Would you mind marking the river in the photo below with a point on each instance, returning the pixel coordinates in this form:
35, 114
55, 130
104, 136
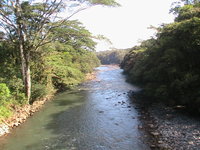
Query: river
97, 115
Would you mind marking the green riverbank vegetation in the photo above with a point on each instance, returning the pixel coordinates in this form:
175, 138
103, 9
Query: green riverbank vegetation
40, 52
168, 65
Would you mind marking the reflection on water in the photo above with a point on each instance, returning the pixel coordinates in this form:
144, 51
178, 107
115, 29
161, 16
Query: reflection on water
96, 116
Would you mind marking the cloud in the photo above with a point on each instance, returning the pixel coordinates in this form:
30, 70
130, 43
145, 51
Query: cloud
127, 24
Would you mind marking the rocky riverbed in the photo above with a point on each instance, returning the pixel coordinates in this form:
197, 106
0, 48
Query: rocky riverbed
169, 128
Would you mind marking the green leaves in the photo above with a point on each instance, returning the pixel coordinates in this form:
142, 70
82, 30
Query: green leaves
187, 12
168, 68
4, 93
64, 62
74, 34
104, 2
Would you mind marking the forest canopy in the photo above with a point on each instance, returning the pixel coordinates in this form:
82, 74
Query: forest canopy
41, 52
168, 66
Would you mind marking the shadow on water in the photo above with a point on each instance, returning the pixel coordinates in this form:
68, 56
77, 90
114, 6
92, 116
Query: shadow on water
60, 141
66, 125
97, 116
71, 101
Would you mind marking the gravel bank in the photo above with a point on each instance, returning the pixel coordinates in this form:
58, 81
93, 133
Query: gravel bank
169, 128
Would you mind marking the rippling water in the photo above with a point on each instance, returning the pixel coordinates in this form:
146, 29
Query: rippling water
98, 115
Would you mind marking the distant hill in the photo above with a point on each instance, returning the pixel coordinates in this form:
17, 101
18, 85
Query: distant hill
112, 56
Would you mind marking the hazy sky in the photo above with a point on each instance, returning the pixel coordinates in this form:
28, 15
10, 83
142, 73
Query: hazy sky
125, 26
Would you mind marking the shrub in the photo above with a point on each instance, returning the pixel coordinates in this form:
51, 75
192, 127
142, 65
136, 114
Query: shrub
38, 91
20, 98
4, 112
16, 85
4, 93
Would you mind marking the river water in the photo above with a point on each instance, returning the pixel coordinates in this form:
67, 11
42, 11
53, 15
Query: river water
97, 115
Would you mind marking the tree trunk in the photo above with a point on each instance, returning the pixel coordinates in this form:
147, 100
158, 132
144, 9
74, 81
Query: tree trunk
28, 83
24, 53
23, 61
28, 77
25, 68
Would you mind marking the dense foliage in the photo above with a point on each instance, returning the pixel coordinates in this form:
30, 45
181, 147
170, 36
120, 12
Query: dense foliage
168, 66
112, 56
57, 65
40, 51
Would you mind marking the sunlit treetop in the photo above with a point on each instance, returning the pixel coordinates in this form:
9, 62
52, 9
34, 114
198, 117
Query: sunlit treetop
104, 2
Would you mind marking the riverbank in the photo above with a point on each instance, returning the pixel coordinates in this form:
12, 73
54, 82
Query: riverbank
169, 128
22, 113
93, 75
100, 107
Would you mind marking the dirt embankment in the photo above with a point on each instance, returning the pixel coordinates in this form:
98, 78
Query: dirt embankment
90, 76
21, 114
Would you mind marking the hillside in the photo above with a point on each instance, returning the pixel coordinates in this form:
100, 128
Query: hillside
112, 56
168, 66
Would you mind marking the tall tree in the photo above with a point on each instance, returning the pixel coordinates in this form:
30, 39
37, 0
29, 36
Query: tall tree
28, 25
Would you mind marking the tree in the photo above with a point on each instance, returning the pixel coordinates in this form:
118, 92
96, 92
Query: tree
28, 25
168, 66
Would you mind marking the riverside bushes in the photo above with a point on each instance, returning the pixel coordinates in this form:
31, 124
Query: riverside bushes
5, 98
4, 93
168, 67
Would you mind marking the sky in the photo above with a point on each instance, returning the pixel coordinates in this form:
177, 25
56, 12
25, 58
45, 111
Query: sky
127, 25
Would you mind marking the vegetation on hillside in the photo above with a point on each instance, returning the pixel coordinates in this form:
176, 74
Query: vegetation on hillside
41, 52
57, 65
168, 66
112, 56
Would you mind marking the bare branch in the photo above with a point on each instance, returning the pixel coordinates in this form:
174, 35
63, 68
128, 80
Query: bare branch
80, 9
46, 15
6, 20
